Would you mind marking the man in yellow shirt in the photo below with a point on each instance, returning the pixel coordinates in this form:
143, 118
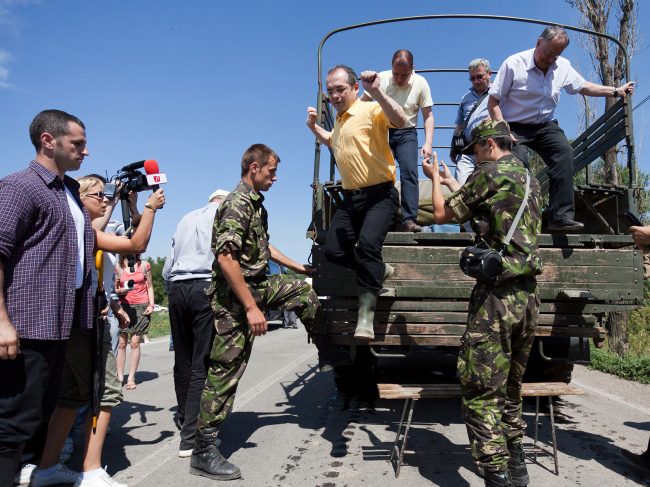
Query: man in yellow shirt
359, 142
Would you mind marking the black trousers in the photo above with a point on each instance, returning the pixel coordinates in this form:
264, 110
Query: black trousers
549, 141
192, 324
29, 390
357, 232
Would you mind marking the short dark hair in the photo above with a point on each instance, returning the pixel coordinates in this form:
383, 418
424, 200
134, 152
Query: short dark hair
503, 142
54, 122
352, 76
553, 31
257, 152
403, 56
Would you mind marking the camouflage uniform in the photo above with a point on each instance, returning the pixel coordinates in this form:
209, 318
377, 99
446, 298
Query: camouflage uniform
502, 315
241, 225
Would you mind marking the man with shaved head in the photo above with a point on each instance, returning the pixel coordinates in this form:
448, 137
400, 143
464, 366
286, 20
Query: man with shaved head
411, 91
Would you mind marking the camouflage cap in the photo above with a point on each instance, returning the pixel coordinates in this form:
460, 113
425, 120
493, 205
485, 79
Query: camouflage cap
487, 128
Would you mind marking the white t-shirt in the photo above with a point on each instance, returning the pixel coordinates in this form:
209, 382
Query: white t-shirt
412, 97
78, 218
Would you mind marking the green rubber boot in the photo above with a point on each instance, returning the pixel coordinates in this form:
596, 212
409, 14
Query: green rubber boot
366, 314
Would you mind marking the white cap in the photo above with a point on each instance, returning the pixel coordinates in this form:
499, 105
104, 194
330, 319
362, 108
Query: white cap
220, 192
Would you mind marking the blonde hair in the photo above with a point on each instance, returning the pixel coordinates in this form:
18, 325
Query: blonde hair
87, 182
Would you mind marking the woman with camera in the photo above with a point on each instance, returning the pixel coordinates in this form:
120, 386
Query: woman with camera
501, 200
76, 386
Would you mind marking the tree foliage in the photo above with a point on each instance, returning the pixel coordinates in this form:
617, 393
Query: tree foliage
610, 66
159, 293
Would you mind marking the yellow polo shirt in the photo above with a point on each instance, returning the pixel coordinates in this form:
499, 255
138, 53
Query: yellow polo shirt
360, 145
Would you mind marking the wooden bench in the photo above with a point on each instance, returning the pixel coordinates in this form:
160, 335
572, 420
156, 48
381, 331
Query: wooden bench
414, 392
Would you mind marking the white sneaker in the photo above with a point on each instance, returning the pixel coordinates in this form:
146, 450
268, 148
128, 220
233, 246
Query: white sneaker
25, 474
63, 475
185, 453
101, 480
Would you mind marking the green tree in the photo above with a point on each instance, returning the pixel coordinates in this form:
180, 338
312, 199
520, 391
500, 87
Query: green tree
156, 276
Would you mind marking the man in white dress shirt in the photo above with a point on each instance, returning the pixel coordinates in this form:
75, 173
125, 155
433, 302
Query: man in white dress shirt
525, 93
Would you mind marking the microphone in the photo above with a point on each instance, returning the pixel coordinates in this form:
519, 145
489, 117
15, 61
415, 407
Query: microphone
133, 166
154, 177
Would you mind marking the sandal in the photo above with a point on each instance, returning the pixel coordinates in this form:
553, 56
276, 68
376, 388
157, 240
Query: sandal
131, 385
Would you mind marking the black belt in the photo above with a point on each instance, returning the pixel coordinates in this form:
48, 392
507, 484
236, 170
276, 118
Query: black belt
368, 189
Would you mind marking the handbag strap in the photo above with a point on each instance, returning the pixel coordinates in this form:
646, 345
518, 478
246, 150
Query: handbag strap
519, 212
478, 102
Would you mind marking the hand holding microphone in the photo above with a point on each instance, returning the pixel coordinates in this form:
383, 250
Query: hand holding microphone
154, 179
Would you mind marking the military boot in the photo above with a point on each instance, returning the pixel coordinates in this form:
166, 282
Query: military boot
497, 479
517, 465
366, 314
206, 459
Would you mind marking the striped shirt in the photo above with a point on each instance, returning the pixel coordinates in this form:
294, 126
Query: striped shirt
38, 246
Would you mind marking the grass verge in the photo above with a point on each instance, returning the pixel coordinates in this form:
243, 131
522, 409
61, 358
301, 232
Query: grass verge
635, 368
159, 325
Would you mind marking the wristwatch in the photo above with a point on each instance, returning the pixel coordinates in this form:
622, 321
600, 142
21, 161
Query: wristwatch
150, 206
615, 93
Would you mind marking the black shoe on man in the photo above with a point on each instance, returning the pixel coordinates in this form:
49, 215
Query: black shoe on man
207, 460
409, 226
517, 465
498, 479
564, 225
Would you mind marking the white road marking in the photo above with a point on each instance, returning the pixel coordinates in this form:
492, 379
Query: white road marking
612, 397
141, 470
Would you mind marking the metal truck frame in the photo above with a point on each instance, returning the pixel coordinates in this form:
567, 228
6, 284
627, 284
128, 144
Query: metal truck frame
424, 304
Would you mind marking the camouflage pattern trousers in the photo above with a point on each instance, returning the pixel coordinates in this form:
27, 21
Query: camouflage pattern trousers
233, 341
491, 363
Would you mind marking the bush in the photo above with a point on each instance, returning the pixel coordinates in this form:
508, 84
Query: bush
635, 368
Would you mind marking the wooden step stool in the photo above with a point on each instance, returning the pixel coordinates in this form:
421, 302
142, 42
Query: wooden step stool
414, 392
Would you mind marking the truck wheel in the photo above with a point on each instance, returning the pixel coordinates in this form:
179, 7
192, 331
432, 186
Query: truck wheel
359, 379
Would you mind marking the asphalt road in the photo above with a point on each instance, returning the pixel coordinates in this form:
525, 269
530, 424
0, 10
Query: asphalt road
289, 428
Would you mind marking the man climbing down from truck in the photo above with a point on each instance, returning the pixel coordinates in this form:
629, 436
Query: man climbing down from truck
503, 311
360, 145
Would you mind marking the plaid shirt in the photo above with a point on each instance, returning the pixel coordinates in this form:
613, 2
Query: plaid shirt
38, 246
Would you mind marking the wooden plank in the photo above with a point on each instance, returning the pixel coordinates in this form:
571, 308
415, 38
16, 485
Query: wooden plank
433, 317
433, 391
403, 340
608, 292
445, 330
566, 307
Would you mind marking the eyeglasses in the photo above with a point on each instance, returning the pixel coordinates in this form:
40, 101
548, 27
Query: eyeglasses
339, 90
477, 77
100, 195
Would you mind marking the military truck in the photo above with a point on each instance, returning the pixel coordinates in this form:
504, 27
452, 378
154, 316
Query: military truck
423, 306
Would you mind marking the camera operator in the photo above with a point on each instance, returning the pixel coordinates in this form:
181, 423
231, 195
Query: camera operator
76, 386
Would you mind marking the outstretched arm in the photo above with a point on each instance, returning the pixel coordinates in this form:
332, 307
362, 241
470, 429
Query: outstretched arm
441, 212
140, 239
284, 261
427, 115
592, 89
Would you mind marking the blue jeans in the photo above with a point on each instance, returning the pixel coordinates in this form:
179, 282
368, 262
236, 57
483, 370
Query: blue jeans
404, 144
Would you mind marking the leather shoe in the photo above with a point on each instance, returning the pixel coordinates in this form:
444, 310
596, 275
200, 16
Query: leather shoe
565, 224
409, 226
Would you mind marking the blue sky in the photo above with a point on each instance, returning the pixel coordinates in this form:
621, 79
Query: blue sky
192, 84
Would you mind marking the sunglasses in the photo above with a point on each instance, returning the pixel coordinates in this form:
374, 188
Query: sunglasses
100, 195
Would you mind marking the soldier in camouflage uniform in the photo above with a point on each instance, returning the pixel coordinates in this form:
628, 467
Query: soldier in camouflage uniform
240, 291
503, 313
